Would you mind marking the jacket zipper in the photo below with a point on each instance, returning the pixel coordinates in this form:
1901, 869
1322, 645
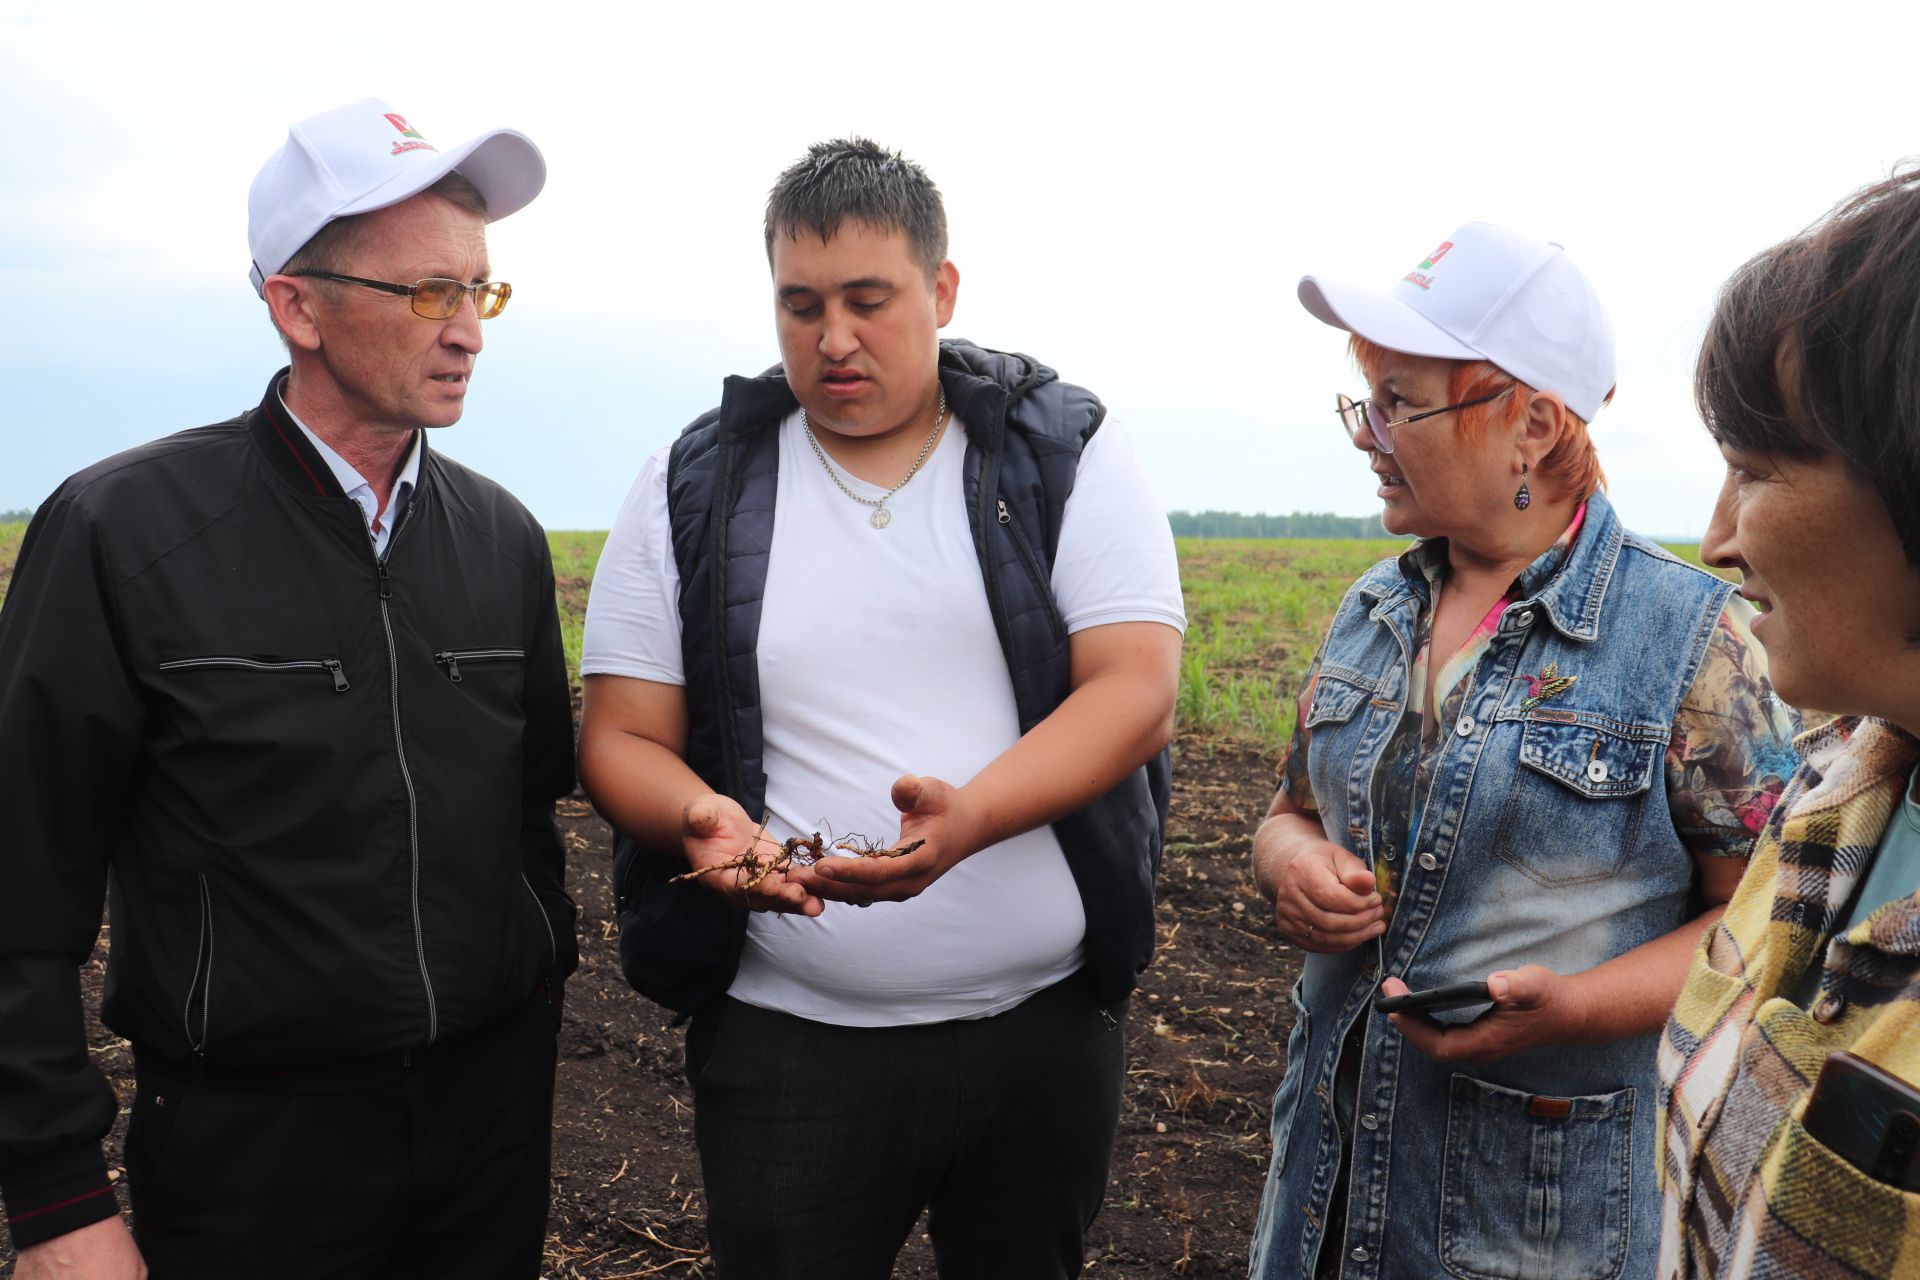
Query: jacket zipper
989, 568
733, 773
1042, 588
553, 945
330, 665
452, 658
202, 964
400, 750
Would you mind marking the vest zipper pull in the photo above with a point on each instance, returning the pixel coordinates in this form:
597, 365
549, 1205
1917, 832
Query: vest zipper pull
340, 684
386, 583
451, 661
1005, 516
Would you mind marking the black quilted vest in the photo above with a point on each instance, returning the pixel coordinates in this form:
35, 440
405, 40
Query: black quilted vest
680, 945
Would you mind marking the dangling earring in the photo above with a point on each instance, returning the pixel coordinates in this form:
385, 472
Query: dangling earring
1521, 498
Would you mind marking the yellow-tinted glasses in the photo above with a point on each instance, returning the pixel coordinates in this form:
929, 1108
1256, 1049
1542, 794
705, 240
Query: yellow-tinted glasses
434, 298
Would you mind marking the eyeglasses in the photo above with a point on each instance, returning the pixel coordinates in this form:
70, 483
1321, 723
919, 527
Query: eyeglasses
434, 298
1359, 416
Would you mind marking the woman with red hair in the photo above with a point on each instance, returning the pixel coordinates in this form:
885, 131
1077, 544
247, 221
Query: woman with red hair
1529, 760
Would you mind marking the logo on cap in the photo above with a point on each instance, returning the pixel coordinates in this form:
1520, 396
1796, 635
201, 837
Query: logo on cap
1418, 276
417, 142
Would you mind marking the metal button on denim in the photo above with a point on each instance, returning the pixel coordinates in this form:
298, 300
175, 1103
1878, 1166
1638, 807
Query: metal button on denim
1465, 727
1428, 861
1596, 771
1360, 1253
1524, 618
1369, 1122
1388, 854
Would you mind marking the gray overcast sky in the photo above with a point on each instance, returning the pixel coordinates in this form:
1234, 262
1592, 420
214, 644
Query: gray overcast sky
1133, 192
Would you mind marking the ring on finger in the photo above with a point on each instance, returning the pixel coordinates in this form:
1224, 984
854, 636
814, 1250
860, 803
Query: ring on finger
1309, 933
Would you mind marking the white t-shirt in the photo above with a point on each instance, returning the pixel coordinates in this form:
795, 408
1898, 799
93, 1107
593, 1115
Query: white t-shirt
878, 657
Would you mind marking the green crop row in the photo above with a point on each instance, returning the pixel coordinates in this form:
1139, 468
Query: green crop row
1256, 608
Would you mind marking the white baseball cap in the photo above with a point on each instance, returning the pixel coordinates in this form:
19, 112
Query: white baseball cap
1488, 294
365, 156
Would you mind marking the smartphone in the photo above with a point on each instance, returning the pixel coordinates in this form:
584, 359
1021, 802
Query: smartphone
1868, 1117
1455, 995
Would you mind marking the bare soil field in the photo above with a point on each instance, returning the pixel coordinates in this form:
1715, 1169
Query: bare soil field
1205, 1035
1206, 1030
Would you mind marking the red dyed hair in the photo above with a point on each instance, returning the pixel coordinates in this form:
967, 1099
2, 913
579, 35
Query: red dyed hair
1570, 467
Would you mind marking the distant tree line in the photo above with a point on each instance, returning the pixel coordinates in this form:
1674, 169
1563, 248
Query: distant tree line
16, 517
1301, 524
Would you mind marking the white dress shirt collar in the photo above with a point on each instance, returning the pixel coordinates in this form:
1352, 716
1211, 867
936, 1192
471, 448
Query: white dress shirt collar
359, 490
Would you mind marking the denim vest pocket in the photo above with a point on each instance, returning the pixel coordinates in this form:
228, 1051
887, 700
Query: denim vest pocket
1535, 1186
1337, 696
1575, 805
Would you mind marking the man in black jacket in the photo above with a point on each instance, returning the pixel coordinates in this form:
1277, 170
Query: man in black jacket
913, 595
290, 689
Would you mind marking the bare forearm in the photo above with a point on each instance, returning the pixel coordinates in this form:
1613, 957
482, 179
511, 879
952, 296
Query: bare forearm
1105, 729
1632, 994
640, 787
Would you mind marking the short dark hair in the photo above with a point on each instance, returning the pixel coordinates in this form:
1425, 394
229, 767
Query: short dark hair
1814, 348
854, 179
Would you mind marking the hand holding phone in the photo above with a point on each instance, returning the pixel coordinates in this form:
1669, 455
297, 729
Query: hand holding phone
1868, 1117
1455, 995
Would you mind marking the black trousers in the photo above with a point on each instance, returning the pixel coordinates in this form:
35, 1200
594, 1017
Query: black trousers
820, 1145
429, 1164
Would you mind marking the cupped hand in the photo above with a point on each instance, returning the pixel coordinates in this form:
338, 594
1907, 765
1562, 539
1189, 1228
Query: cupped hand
934, 812
1532, 1006
1326, 900
714, 829
100, 1251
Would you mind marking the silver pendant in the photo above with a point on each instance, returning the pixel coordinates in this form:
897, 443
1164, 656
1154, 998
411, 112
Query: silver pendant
880, 518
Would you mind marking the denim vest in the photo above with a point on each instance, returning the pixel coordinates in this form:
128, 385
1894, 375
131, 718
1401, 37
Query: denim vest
1546, 839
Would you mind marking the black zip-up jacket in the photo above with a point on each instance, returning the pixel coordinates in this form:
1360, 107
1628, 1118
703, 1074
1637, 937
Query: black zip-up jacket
318, 783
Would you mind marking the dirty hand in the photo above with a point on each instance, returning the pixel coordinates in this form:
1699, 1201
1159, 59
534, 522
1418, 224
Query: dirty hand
1532, 1006
713, 831
932, 811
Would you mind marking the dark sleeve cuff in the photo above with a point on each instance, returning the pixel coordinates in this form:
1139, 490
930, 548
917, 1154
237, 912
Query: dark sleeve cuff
56, 1194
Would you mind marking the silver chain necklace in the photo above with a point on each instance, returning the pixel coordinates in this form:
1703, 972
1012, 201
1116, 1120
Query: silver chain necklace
881, 517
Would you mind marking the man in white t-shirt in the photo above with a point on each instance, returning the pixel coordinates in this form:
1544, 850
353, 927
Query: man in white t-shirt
895, 590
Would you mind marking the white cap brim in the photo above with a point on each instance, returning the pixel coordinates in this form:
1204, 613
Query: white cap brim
504, 165
1381, 319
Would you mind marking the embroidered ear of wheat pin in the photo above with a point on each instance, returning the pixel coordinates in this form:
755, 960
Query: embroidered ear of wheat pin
1548, 684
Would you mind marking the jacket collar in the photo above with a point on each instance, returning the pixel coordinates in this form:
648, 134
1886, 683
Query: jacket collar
1569, 586
1850, 785
292, 457
980, 386
1846, 757
751, 405
1574, 597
